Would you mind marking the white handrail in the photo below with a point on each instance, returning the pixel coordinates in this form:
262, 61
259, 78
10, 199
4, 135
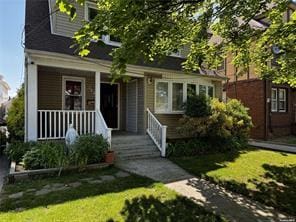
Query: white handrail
157, 132
102, 128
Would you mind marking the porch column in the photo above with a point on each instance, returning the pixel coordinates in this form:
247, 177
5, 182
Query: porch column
97, 99
97, 91
32, 103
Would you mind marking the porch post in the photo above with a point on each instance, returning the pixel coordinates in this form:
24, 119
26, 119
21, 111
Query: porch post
97, 98
97, 91
32, 103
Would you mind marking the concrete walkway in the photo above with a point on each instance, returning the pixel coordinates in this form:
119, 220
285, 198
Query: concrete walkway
273, 146
214, 198
4, 167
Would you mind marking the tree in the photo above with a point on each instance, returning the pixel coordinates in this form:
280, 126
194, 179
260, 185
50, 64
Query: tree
152, 29
15, 116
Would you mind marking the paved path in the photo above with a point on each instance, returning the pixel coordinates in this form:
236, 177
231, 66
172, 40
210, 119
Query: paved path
273, 146
233, 206
4, 164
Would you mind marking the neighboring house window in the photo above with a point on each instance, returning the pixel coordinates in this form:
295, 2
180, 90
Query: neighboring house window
278, 100
73, 93
221, 67
170, 95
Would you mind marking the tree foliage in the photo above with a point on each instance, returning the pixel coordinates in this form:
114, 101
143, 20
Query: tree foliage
153, 29
15, 117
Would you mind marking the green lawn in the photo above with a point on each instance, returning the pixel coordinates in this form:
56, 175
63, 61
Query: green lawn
267, 176
130, 198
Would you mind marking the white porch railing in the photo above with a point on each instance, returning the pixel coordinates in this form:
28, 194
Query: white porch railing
102, 128
53, 124
157, 132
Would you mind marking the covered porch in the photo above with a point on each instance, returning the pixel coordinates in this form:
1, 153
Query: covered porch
60, 94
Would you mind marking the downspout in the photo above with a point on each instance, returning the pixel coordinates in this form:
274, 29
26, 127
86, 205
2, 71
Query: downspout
26, 97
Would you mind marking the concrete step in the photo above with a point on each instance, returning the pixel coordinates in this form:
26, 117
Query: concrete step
129, 139
136, 152
135, 157
134, 147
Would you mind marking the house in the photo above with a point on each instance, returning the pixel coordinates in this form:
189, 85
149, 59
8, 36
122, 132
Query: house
272, 106
63, 88
4, 89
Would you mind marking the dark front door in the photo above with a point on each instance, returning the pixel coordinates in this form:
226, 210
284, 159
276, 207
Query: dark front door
109, 104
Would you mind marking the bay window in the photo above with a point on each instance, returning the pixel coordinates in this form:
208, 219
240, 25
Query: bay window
170, 95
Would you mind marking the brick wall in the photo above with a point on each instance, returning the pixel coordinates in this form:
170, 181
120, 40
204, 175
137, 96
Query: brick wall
251, 94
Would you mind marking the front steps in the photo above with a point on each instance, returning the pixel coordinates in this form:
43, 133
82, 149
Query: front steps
131, 147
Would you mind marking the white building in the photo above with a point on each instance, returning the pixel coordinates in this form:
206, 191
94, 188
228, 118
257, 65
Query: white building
4, 88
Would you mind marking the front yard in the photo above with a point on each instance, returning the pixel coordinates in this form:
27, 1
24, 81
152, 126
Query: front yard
267, 176
101, 195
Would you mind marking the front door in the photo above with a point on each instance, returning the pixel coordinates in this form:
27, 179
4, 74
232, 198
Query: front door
109, 104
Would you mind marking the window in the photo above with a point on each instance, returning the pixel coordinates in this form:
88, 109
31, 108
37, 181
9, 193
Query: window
170, 95
162, 96
278, 100
177, 96
90, 11
282, 100
221, 67
73, 94
113, 38
211, 91
202, 90
191, 90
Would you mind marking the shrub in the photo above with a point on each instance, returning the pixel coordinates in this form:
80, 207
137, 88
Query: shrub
197, 106
191, 147
46, 155
89, 149
15, 117
227, 126
16, 150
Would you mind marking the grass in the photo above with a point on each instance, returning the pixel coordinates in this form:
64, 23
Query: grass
266, 176
129, 199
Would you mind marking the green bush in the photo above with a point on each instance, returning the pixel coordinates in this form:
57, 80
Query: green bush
15, 117
89, 149
191, 147
16, 150
227, 126
197, 106
46, 155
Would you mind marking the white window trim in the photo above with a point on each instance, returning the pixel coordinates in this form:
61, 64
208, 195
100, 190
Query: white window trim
76, 79
105, 38
283, 100
170, 94
274, 100
86, 7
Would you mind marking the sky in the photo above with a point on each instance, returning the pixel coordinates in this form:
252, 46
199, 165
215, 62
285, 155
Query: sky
12, 19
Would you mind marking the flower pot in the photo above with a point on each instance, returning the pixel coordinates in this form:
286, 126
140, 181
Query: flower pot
110, 156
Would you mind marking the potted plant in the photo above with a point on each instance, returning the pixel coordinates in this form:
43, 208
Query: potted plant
110, 156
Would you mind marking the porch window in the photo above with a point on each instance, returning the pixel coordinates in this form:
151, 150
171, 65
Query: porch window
278, 100
73, 94
177, 96
162, 96
211, 91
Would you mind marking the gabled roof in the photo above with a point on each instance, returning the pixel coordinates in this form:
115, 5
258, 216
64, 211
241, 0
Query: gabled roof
38, 36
